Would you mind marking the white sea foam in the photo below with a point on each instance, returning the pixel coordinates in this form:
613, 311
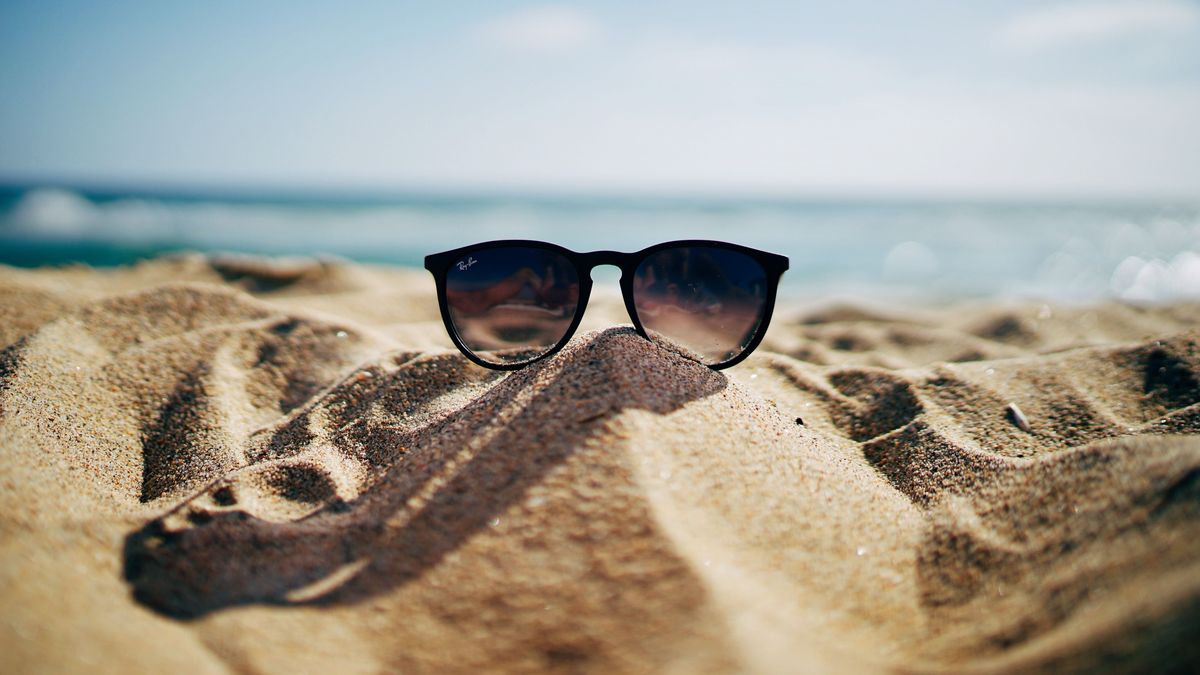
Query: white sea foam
1142, 280
910, 261
53, 212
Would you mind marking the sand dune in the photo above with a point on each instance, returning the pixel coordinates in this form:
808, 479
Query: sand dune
233, 465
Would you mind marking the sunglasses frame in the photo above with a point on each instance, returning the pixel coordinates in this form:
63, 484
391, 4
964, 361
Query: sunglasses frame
439, 265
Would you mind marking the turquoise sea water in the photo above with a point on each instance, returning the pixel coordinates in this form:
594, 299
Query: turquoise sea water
919, 249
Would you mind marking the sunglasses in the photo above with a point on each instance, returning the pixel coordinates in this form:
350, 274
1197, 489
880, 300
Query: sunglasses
507, 304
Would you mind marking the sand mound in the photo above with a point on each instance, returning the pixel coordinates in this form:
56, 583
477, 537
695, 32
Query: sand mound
248, 465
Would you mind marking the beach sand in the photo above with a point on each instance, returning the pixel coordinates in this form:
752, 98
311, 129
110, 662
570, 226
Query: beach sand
229, 465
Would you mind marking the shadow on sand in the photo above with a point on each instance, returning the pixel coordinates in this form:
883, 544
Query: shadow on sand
430, 482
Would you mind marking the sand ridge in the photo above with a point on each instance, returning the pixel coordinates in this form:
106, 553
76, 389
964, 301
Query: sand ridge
233, 464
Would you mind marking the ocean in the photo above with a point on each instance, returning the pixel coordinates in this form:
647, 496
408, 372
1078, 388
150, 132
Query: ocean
1062, 251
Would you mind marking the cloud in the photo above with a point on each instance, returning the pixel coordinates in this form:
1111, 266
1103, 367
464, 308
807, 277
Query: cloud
1076, 23
732, 60
541, 29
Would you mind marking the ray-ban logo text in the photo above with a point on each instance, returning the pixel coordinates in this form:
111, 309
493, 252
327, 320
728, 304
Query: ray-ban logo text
464, 265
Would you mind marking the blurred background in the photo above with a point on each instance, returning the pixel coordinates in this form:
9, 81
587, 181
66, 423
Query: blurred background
922, 149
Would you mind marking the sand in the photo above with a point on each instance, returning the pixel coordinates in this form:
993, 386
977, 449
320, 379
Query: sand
230, 465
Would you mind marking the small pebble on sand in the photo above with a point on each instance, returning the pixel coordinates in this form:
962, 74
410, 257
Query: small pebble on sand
1017, 417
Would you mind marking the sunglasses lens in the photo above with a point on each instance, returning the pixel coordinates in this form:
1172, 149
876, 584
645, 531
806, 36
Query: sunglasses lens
511, 305
709, 301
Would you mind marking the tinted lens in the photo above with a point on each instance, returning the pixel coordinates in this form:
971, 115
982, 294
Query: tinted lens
513, 304
709, 301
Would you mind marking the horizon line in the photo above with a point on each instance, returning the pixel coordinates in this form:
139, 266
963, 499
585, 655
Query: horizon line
267, 191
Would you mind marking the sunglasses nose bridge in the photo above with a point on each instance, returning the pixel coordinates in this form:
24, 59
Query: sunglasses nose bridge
599, 258
605, 259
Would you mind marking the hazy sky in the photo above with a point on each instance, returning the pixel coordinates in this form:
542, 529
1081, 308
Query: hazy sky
990, 98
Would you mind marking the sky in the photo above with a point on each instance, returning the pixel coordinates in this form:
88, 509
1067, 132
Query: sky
988, 98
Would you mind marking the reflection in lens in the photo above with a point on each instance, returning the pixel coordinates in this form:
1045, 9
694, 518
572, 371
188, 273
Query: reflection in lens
512, 304
708, 301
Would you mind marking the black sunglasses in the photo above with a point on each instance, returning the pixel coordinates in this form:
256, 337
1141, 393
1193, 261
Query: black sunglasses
509, 303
